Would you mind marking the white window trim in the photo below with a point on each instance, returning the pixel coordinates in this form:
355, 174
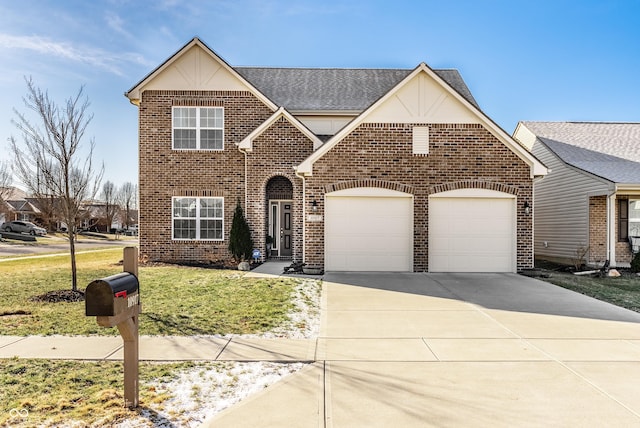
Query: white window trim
632, 230
197, 218
197, 128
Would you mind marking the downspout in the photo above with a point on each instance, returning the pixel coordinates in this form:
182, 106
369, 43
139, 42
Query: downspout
246, 185
304, 213
611, 227
533, 218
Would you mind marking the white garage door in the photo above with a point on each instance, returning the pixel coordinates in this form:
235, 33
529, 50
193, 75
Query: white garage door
472, 230
369, 229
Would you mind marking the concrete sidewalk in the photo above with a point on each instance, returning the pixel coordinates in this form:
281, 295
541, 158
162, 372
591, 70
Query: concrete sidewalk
159, 348
416, 350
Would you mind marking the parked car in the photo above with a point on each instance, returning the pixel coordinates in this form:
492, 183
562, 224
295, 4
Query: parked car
23, 227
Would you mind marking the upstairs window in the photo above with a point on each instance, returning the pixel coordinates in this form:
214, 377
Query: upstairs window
198, 218
198, 128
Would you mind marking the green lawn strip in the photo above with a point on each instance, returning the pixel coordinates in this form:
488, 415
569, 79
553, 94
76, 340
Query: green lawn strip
53, 392
175, 300
623, 291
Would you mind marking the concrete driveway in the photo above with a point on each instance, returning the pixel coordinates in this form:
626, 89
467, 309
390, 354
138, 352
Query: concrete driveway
472, 350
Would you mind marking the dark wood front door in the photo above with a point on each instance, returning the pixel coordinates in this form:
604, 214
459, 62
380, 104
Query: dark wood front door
281, 227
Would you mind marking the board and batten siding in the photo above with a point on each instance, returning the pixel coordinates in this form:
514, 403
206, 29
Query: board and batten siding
561, 207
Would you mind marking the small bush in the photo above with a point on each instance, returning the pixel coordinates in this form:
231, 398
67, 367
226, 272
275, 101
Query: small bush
240, 242
635, 263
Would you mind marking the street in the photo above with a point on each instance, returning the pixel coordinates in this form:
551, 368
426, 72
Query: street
52, 244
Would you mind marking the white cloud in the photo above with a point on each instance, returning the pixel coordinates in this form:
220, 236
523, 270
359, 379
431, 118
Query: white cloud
117, 24
95, 57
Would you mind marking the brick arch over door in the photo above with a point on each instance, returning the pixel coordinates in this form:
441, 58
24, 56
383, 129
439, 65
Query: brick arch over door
279, 187
474, 184
390, 185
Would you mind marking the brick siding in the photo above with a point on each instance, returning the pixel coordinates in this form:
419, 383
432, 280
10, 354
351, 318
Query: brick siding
460, 156
165, 173
375, 155
597, 229
598, 233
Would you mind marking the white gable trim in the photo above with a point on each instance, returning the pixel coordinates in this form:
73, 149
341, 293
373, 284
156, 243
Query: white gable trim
537, 168
246, 145
135, 93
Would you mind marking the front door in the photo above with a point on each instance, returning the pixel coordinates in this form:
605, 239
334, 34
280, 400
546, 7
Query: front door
280, 227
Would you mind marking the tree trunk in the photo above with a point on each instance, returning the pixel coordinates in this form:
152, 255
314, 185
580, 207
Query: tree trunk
72, 252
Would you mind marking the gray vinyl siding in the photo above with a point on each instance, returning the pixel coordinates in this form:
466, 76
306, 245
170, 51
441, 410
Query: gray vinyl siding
561, 206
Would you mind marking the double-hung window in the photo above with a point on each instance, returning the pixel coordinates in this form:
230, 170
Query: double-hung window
628, 218
198, 218
198, 128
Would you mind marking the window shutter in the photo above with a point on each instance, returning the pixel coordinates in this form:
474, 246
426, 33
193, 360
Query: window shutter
420, 140
623, 220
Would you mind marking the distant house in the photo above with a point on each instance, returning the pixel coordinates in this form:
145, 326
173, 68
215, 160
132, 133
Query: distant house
17, 206
343, 169
591, 197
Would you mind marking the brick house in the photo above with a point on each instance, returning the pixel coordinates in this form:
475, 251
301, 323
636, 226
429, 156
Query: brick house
346, 169
590, 201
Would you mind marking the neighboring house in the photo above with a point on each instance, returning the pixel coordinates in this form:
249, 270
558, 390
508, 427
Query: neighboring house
17, 206
591, 197
347, 169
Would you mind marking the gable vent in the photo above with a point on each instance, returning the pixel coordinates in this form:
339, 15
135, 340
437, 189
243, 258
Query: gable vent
420, 140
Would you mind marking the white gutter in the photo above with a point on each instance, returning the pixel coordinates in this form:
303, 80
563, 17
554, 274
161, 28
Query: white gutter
611, 228
304, 213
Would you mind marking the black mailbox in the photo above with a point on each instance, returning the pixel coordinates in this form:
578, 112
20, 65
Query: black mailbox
112, 295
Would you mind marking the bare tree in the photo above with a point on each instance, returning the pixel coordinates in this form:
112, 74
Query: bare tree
6, 180
109, 196
128, 197
50, 161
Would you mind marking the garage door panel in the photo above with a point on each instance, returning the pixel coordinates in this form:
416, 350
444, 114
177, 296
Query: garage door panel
365, 233
471, 234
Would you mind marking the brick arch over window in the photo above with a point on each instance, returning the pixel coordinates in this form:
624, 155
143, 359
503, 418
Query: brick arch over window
344, 185
475, 184
279, 187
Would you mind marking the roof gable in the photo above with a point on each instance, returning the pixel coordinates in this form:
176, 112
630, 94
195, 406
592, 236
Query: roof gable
247, 143
402, 103
195, 67
422, 99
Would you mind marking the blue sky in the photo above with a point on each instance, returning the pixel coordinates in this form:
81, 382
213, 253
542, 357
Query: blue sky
523, 60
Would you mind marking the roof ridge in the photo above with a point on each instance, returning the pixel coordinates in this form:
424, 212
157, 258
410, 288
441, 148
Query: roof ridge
583, 122
337, 68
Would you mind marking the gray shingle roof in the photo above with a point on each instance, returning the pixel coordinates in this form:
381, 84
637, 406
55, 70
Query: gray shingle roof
334, 88
608, 150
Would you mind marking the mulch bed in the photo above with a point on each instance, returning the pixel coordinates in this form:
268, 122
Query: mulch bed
57, 296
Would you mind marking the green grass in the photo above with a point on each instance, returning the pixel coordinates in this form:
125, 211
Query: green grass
623, 291
175, 300
85, 393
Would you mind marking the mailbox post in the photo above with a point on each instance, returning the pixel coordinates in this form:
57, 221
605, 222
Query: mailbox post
115, 301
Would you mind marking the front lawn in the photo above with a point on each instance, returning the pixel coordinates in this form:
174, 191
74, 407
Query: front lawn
44, 393
623, 291
175, 300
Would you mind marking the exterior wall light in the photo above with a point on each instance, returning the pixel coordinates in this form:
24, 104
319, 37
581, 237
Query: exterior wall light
527, 208
314, 206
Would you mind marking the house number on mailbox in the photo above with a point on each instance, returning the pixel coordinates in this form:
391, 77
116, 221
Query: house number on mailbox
133, 300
